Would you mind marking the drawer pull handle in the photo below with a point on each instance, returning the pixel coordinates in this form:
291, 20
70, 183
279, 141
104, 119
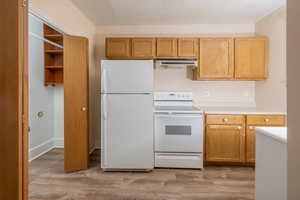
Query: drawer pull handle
225, 120
267, 120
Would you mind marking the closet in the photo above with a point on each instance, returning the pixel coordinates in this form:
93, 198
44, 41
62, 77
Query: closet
58, 93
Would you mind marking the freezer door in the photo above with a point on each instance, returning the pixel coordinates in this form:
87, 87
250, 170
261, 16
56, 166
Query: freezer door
127, 132
127, 76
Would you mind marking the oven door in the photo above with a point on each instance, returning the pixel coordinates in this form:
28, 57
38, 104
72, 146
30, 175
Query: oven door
178, 132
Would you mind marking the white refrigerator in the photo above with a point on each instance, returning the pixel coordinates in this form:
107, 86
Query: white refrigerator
127, 115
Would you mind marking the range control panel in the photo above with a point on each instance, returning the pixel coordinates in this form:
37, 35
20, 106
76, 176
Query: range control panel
173, 96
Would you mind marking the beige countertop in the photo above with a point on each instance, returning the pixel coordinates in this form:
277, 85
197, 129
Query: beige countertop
238, 111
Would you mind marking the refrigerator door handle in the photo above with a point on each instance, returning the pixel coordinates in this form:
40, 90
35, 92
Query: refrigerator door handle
103, 80
104, 135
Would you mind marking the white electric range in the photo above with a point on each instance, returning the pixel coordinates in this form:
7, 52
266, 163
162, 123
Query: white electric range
178, 131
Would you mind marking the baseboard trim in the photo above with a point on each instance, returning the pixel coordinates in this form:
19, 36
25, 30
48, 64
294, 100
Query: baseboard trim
41, 149
59, 142
47, 146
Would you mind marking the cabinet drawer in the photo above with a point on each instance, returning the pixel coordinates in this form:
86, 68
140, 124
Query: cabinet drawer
225, 119
266, 120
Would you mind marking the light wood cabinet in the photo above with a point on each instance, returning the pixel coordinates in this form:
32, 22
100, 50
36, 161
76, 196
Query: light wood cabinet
188, 47
244, 58
225, 119
266, 120
118, 48
216, 59
231, 138
225, 138
143, 48
250, 144
251, 58
225, 143
258, 120
166, 47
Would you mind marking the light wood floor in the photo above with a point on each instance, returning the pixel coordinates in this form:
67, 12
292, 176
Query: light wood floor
49, 182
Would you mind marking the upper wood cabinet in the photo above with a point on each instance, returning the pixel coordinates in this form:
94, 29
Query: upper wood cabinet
242, 58
143, 48
166, 47
251, 58
118, 48
225, 143
188, 47
216, 59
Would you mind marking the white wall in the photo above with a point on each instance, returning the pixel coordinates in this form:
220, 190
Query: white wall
59, 116
206, 93
41, 98
271, 94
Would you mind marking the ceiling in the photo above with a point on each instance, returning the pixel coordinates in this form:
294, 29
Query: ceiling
161, 12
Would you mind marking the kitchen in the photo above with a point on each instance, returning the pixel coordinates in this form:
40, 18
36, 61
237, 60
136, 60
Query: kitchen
175, 102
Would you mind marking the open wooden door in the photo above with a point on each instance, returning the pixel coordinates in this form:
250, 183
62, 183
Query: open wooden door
76, 103
13, 100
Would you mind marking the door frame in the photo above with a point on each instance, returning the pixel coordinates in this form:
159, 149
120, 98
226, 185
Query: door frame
14, 106
16, 91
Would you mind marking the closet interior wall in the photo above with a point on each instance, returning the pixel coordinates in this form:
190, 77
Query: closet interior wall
46, 103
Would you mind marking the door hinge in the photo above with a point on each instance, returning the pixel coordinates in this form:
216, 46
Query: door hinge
25, 123
24, 4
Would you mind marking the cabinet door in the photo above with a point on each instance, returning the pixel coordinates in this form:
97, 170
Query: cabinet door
250, 144
76, 90
251, 58
117, 48
188, 47
143, 48
166, 47
216, 58
225, 143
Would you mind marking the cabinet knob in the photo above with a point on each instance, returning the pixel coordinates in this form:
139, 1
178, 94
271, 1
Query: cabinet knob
239, 127
267, 120
251, 127
225, 120
83, 109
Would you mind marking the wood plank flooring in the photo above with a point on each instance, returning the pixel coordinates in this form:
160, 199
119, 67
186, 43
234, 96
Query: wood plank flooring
49, 182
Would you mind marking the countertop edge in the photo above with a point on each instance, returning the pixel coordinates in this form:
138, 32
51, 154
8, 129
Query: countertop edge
261, 130
243, 113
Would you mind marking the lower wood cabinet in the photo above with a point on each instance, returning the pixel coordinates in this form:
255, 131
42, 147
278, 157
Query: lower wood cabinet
225, 143
254, 121
231, 139
250, 144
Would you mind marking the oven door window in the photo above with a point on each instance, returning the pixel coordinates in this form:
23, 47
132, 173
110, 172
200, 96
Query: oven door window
178, 130
178, 133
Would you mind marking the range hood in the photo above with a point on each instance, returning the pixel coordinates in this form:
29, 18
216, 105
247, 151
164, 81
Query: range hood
177, 62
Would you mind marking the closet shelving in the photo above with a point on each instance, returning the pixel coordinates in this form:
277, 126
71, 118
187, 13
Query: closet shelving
54, 54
